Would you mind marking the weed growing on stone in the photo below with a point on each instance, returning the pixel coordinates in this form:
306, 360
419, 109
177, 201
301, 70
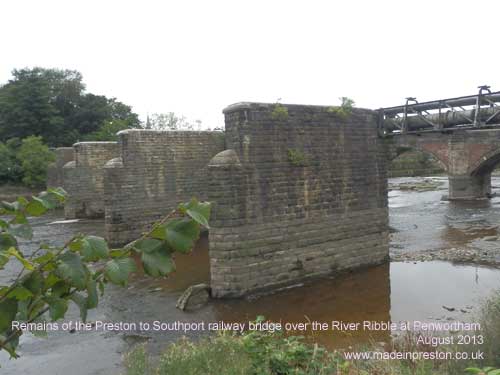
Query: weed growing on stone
279, 113
345, 109
297, 157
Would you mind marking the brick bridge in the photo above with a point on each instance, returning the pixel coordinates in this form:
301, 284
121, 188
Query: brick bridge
298, 191
468, 157
466, 142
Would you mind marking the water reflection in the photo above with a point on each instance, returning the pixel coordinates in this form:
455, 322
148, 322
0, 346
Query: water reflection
395, 292
354, 297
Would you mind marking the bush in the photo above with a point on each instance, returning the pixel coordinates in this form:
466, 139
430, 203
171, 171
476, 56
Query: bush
253, 353
34, 158
489, 318
10, 168
108, 131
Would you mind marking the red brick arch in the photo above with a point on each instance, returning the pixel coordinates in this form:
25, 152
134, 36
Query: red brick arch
439, 151
484, 162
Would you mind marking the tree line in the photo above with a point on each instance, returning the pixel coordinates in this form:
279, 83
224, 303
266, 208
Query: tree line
45, 108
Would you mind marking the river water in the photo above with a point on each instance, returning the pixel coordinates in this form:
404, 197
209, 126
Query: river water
399, 291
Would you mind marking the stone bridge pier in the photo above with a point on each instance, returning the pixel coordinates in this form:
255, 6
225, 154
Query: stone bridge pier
468, 156
83, 179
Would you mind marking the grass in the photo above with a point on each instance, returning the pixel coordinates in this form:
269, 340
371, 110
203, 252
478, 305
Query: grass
263, 353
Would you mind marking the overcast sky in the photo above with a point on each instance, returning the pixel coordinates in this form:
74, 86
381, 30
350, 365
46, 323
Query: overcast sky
196, 57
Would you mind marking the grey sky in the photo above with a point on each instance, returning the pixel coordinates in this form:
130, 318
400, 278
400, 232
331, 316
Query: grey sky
196, 57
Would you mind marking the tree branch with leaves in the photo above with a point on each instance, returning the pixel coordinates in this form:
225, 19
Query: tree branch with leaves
78, 271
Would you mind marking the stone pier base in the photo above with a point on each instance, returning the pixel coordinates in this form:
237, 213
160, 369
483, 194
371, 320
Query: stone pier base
469, 187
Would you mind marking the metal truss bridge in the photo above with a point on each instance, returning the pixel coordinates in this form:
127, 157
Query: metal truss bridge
481, 111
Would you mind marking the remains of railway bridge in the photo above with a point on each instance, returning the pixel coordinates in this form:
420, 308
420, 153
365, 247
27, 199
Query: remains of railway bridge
298, 191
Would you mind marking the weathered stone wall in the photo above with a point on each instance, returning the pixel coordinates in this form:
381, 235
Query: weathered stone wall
155, 171
296, 195
83, 179
55, 170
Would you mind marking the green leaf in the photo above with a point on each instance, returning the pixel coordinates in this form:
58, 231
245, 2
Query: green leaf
22, 231
199, 211
3, 224
7, 241
94, 248
60, 288
58, 193
157, 263
20, 293
148, 245
11, 346
22, 310
159, 233
48, 256
26, 263
36, 207
4, 258
22, 201
494, 372
49, 201
93, 299
117, 253
71, 269
473, 370
36, 307
19, 219
8, 207
81, 302
118, 270
76, 244
57, 307
34, 283
8, 311
182, 234
51, 280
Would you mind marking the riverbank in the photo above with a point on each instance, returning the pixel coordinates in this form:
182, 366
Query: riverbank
477, 256
257, 352
425, 227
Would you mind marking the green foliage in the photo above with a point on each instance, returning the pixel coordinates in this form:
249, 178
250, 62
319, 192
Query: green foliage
34, 157
279, 112
52, 103
343, 111
483, 371
53, 276
273, 353
170, 121
10, 168
253, 353
297, 157
108, 131
489, 317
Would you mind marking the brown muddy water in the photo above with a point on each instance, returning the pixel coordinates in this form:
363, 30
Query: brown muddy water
392, 292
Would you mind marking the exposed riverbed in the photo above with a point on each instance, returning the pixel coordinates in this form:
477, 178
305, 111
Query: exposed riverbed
424, 228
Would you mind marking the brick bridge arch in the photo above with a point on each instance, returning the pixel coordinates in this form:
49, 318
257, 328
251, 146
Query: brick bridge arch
485, 163
437, 149
468, 157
